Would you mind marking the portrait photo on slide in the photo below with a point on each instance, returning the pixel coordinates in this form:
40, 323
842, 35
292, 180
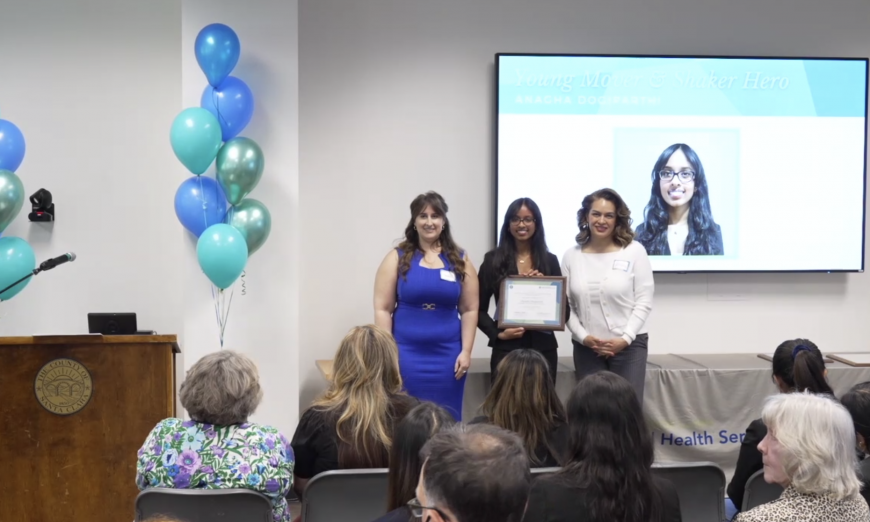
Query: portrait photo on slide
682, 187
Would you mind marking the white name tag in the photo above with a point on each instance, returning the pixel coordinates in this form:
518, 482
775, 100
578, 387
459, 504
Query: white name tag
621, 265
447, 275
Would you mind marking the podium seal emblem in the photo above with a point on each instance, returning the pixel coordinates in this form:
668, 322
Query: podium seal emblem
63, 386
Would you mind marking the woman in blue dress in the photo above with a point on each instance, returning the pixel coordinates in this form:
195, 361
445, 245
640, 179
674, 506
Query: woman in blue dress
426, 294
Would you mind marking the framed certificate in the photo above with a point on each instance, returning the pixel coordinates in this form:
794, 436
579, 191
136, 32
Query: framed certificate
533, 303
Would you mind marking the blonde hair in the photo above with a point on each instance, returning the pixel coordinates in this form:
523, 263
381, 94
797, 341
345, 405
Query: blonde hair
365, 380
819, 441
222, 388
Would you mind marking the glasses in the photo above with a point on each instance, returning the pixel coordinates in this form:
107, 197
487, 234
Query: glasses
417, 509
525, 221
684, 175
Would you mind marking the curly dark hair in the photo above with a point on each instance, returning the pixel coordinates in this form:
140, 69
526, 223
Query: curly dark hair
622, 235
704, 233
411, 244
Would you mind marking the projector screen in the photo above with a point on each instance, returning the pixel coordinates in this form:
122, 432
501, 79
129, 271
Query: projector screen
766, 157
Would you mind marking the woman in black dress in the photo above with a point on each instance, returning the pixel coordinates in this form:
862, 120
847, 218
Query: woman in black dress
522, 250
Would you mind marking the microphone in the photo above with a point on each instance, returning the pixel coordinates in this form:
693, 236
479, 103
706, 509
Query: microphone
59, 260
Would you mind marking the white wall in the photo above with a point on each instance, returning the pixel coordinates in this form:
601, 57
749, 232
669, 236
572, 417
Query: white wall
396, 98
94, 85
264, 324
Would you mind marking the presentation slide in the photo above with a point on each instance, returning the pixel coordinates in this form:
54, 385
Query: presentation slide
727, 164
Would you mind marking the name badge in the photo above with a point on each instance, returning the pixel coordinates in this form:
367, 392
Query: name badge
621, 265
447, 275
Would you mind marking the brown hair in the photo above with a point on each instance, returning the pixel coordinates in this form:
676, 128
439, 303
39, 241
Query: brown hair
411, 244
362, 396
523, 400
622, 235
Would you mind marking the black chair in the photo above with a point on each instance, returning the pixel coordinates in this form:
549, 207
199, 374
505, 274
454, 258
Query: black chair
347, 495
700, 486
204, 505
758, 492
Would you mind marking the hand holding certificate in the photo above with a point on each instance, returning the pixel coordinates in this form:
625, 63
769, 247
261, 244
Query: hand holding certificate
533, 303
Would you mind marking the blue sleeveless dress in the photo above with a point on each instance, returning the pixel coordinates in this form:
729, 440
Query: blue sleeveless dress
428, 330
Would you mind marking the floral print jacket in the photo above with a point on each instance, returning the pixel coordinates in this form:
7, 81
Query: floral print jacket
188, 454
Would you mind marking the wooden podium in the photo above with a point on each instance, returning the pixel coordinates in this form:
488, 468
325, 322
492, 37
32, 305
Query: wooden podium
74, 410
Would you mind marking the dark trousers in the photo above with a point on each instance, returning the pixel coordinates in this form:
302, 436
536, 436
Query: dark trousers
552, 357
629, 363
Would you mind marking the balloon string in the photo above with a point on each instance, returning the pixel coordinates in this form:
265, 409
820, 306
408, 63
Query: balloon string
204, 204
244, 286
227, 315
214, 299
217, 107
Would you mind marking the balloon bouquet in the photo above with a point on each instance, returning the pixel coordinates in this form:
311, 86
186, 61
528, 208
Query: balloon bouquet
199, 135
16, 256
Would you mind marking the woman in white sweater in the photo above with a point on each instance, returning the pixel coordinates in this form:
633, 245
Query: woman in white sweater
610, 291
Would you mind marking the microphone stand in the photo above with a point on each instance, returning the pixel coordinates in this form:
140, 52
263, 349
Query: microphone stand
25, 278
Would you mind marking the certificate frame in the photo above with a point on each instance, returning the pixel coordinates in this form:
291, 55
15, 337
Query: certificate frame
508, 319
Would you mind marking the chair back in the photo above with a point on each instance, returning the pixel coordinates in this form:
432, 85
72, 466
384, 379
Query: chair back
700, 486
348, 495
204, 505
758, 492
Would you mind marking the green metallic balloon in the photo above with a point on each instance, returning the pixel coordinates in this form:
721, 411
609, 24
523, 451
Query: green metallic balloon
253, 220
239, 168
11, 197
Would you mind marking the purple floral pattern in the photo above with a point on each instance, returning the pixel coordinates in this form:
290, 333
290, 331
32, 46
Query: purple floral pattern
187, 454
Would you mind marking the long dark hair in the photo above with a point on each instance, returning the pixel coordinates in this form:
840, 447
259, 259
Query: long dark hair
506, 252
611, 451
801, 370
622, 233
857, 401
703, 231
523, 400
411, 244
411, 434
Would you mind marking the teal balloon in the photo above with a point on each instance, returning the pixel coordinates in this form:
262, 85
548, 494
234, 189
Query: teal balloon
239, 168
16, 261
222, 254
196, 138
11, 198
253, 220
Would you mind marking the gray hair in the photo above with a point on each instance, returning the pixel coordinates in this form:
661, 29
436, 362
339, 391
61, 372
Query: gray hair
479, 472
222, 388
819, 441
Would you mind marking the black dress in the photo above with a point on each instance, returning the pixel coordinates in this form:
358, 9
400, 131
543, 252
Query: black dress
541, 341
748, 462
550, 500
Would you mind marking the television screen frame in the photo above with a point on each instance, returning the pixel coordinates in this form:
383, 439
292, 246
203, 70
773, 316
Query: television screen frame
497, 218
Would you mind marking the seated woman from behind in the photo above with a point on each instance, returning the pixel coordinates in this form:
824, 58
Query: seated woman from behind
523, 399
411, 435
857, 402
218, 448
608, 475
809, 450
351, 425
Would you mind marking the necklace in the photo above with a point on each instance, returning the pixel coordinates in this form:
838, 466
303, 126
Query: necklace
522, 260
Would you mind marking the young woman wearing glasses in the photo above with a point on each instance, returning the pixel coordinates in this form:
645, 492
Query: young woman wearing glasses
677, 219
522, 250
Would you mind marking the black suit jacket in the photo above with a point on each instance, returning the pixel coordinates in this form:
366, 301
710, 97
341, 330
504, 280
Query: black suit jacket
489, 287
748, 462
552, 501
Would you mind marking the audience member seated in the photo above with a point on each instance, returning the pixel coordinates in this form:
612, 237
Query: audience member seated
477, 473
608, 474
412, 433
523, 399
351, 426
857, 402
798, 365
218, 448
809, 450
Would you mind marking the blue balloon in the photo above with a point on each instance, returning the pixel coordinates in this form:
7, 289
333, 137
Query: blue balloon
222, 253
16, 261
11, 146
232, 103
200, 203
217, 52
